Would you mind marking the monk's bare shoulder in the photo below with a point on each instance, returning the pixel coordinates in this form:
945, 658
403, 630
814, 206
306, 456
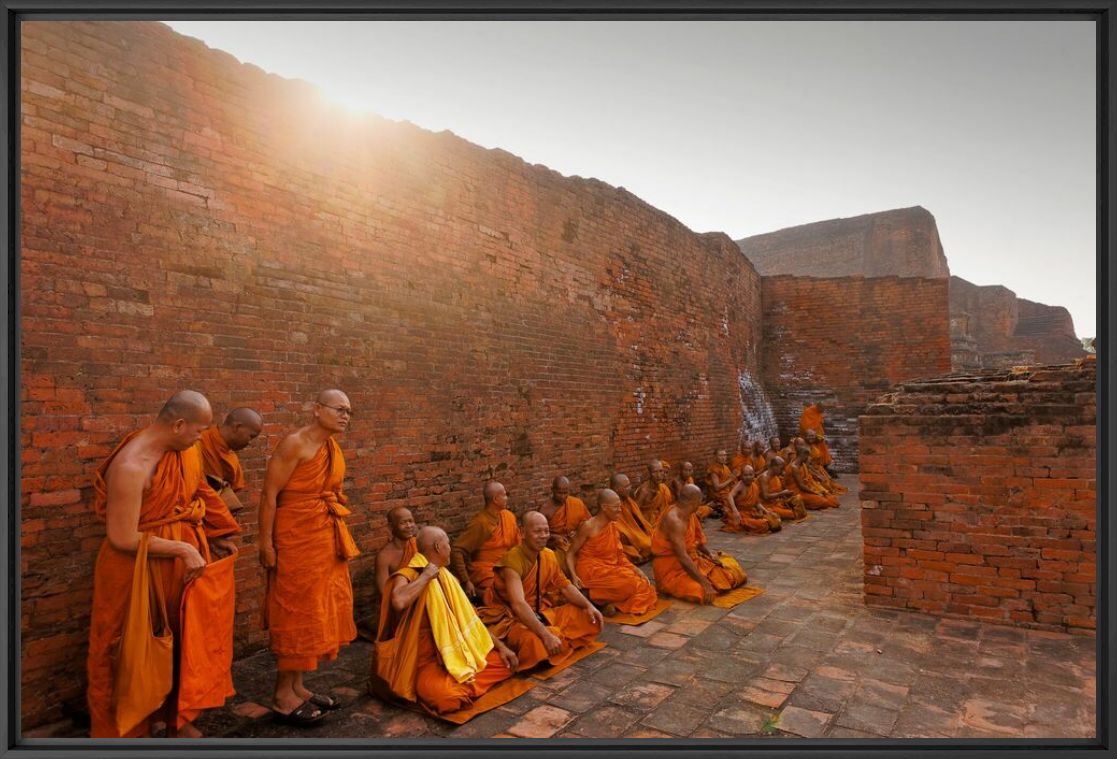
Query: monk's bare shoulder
296, 447
388, 555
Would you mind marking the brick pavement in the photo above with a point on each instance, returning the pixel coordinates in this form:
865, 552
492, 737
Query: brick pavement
807, 658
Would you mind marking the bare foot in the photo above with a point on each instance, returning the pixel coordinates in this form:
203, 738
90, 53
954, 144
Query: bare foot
287, 702
189, 731
302, 692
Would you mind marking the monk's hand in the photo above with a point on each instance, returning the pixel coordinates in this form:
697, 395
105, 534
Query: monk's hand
222, 547
595, 615
508, 657
708, 592
267, 556
551, 642
470, 589
577, 582
193, 563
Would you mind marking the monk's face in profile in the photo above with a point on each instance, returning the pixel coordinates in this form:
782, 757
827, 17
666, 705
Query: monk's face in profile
611, 508
241, 434
185, 432
687, 470
560, 490
334, 412
623, 486
536, 532
440, 552
748, 474
402, 524
499, 497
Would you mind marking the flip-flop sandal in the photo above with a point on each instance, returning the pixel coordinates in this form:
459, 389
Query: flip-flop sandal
302, 715
325, 701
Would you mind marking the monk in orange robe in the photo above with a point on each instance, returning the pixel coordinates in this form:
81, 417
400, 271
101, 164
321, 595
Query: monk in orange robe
564, 513
742, 456
597, 564
306, 547
219, 446
635, 531
759, 460
683, 566
720, 479
653, 495
811, 420
519, 607
400, 547
750, 515
775, 497
432, 648
489, 535
685, 476
800, 481
153, 483
818, 469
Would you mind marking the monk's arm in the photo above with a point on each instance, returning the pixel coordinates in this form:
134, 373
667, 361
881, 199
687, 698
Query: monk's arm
643, 495
382, 569
675, 533
797, 475
122, 520
280, 468
580, 536
405, 593
731, 500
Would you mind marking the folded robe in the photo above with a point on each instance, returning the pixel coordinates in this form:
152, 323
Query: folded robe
635, 532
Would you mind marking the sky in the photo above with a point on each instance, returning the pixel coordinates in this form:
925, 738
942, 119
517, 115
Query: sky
746, 127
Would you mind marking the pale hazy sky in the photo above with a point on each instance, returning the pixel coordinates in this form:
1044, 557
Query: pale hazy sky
746, 127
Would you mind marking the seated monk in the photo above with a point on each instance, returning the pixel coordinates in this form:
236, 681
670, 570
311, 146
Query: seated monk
811, 421
720, 479
748, 514
597, 565
444, 656
219, 445
487, 537
775, 497
685, 476
400, 546
683, 566
635, 531
564, 513
653, 495
742, 456
759, 460
801, 482
518, 606
820, 472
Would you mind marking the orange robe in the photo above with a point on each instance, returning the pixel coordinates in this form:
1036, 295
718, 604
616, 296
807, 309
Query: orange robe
220, 461
811, 419
485, 540
178, 505
788, 508
670, 577
659, 502
813, 495
541, 584
724, 475
635, 532
419, 673
563, 522
609, 577
310, 593
739, 460
820, 473
753, 520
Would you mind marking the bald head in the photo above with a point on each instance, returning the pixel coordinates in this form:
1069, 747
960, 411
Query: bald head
605, 495
532, 518
188, 405
429, 540
331, 397
244, 415
776, 462
690, 495
618, 480
242, 425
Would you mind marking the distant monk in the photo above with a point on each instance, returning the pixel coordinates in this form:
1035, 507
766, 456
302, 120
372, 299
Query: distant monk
152, 483
752, 517
759, 460
775, 497
811, 420
683, 566
720, 479
635, 531
742, 456
597, 565
685, 476
305, 545
800, 481
653, 495
444, 656
489, 535
400, 547
219, 446
564, 513
820, 472
518, 607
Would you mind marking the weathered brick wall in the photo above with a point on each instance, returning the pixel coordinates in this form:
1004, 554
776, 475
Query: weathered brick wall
844, 341
978, 498
188, 221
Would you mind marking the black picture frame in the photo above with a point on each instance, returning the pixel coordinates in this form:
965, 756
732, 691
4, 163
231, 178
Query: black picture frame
1101, 11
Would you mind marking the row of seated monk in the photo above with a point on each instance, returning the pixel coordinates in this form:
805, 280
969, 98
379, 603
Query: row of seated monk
504, 597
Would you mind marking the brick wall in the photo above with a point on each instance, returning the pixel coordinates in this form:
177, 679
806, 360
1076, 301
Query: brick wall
188, 221
978, 498
843, 342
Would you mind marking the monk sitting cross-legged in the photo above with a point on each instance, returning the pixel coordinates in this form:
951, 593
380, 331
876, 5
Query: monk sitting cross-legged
720, 479
443, 656
306, 546
775, 497
802, 482
685, 476
751, 516
489, 535
598, 567
400, 546
683, 566
564, 513
811, 421
653, 495
518, 607
635, 531
821, 473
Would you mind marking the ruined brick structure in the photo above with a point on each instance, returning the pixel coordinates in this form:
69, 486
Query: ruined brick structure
189, 221
979, 497
831, 341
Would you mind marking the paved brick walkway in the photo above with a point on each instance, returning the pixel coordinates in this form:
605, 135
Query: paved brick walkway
806, 658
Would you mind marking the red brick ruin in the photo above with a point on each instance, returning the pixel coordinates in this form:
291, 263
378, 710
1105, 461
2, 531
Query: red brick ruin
191, 221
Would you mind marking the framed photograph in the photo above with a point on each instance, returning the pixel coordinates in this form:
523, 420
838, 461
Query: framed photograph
534, 376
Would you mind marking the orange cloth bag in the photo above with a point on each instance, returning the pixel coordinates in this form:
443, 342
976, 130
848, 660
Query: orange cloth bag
144, 662
206, 644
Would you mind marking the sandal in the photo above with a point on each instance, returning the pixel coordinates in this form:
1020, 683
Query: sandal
325, 701
303, 715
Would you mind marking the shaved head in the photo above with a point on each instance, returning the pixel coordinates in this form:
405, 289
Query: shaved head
532, 517
491, 490
331, 396
690, 494
605, 495
559, 481
618, 480
185, 404
428, 538
246, 416
397, 513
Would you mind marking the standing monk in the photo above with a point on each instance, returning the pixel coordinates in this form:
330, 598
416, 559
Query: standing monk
219, 446
400, 547
811, 419
489, 535
775, 497
518, 605
305, 546
653, 495
751, 516
597, 564
153, 484
683, 566
564, 513
635, 531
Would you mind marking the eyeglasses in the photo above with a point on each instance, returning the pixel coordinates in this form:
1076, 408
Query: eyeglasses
343, 410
